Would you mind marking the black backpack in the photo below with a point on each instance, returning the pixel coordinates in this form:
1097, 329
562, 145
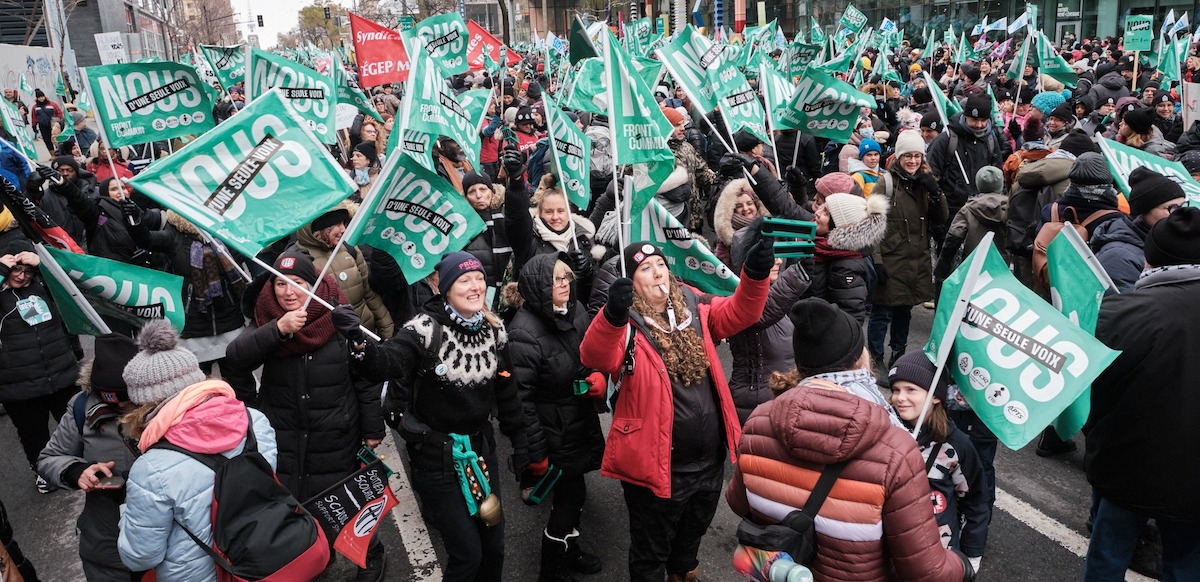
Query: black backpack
259, 531
796, 533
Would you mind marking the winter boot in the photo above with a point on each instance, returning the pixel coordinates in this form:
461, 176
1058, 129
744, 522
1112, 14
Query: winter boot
376, 563
554, 560
578, 560
1050, 444
687, 577
892, 360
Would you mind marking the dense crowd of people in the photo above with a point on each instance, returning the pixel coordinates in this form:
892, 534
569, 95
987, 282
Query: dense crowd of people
538, 317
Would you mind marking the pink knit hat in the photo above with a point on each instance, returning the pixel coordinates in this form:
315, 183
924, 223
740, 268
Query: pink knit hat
838, 183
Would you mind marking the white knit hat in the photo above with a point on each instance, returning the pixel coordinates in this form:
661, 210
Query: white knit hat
846, 209
161, 369
909, 141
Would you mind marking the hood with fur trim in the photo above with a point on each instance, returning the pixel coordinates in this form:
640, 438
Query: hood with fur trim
723, 211
867, 232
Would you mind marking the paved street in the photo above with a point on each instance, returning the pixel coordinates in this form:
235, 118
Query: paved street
1037, 531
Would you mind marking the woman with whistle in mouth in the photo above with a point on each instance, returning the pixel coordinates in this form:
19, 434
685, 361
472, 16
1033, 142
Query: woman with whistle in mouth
674, 421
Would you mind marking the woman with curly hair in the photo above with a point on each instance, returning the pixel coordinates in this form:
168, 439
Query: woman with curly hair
674, 421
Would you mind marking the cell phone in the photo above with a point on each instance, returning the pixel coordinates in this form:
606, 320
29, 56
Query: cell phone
112, 482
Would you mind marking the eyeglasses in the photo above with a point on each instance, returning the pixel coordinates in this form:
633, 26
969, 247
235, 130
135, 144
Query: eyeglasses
912, 156
20, 270
566, 279
1171, 208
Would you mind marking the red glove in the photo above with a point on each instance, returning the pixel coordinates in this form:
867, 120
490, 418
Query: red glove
597, 385
539, 468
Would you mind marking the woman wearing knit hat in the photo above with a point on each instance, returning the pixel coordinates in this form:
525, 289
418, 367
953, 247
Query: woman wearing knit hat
167, 490
448, 367
364, 166
867, 168
847, 227
504, 209
40, 366
675, 424
956, 476
1165, 118
88, 452
323, 413
904, 273
1138, 131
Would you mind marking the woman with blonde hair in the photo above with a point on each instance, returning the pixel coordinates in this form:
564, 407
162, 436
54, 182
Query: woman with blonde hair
558, 230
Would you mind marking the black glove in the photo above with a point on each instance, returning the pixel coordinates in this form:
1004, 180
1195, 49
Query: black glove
132, 212
797, 183
583, 264
761, 256
928, 183
514, 162
881, 275
620, 299
747, 162
348, 324
1014, 129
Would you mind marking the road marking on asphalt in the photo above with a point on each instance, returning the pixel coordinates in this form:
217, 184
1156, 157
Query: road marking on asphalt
409, 520
1049, 527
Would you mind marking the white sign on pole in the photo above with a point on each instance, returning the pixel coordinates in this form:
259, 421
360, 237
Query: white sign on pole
111, 47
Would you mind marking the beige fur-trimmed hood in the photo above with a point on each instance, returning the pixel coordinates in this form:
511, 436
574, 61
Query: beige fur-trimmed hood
723, 211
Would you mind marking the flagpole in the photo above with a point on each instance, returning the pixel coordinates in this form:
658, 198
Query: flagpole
104, 138
612, 131
56, 271
946, 345
307, 291
762, 79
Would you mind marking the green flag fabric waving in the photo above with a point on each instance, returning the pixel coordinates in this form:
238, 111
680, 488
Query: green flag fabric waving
414, 215
639, 127
1077, 286
15, 125
119, 290
312, 95
815, 33
348, 91
853, 19
572, 158
738, 103
1016, 360
777, 92
1017, 68
689, 259
228, 63
142, 102
1122, 160
445, 37
945, 106
586, 87
252, 180
688, 58
430, 105
824, 106
1049, 62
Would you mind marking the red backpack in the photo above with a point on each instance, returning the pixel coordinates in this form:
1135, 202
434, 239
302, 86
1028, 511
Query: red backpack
259, 531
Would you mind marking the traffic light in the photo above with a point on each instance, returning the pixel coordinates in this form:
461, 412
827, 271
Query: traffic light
327, 13
260, 22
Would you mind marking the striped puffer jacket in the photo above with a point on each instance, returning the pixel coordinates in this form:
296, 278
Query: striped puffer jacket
877, 523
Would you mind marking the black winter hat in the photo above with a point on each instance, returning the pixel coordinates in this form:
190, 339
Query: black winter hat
334, 216
38, 93
825, 336
922, 95
298, 264
933, 120
524, 115
1175, 240
1025, 94
1090, 169
978, 106
1148, 189
471, 178
745, 141
1140, 120
16, 246
454, 265
1190, 160
1161, 96
915, 367
1077, 142
1064, 112
1003, 95
369, 151
635, 253
534, 92
113, 351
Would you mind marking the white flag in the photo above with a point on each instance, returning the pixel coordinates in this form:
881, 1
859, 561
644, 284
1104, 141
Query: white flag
1021, 22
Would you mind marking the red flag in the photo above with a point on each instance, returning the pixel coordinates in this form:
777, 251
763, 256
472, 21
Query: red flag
481, 42
379, 51
351, 510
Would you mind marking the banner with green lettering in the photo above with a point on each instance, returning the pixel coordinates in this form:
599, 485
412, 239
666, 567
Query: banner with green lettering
143, 102
312, 95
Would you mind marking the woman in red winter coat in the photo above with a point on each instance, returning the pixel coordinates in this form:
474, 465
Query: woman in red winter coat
674, 422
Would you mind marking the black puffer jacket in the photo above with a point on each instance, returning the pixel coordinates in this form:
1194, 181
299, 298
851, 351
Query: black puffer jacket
321, 412
36, 359
1189, 140
992, 150
544, 348
504, 237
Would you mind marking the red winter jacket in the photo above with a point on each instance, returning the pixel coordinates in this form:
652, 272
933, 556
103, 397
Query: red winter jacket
639, 443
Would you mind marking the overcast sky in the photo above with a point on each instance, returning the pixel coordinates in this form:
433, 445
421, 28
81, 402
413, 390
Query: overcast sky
278, 16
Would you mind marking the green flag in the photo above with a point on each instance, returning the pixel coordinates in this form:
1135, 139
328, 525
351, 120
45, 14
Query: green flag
475, 104
580, 43
777, 92
15, 125
416, 144
228, 63
1049, 62
946, 107
997, 117
688, 58
312, 95
798, 57
738, 103
572, 155
650, 70
492, 67
1016, 360
639, 127
142, 102
815, 34
1170, 58
24, 86
445, 38
1077, 286
118, 290
430, 106
585, 88
68, 132
689, 259
59, 88
1017, 67
824, 106
348, 91
84, 103
853, 19
1122, 160
252, 180
414, 215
